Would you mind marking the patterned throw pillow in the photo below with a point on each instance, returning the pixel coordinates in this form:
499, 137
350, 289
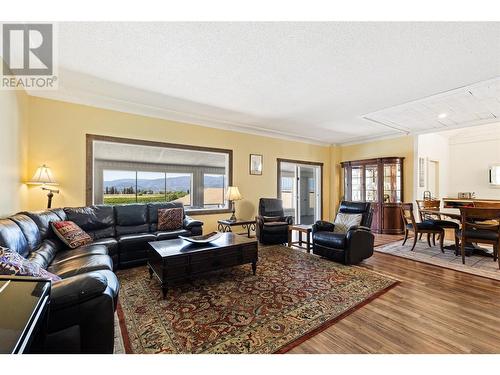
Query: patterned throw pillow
170, 218
70, 233
344, 221
12, 263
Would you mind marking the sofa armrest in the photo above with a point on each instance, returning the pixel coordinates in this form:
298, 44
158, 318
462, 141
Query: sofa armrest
81, 315
287, 219
189, 222
77, 289
322, 226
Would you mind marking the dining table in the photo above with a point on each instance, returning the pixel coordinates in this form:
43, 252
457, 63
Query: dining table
454, 213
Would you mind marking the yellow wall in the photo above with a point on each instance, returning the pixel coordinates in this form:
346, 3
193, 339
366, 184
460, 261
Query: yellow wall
400, 146
13, 151
57, 137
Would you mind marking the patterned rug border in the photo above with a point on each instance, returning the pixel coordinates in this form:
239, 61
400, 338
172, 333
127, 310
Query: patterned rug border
123, 329
293, 344
436, 265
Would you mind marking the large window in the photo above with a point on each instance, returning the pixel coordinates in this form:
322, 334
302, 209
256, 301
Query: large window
129, 171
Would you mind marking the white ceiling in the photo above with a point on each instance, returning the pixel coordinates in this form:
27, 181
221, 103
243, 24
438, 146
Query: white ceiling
113, 151
308, 81
467, 106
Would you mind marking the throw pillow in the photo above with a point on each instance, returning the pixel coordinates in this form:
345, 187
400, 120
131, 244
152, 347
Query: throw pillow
70, 233
12, 263
344, 221
170, 218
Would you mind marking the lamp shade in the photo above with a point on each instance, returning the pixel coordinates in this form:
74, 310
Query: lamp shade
43, 176
233, 194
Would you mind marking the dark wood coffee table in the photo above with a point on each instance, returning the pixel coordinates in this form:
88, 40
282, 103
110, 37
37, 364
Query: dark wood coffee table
178, 259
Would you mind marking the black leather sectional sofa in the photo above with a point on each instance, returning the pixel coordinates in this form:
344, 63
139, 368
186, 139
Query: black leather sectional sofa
81, 315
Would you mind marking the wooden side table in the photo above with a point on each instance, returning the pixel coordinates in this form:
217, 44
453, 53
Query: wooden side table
226, 225
307, 229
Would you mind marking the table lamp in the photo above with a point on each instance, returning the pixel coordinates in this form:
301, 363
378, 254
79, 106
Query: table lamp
233, 194
43, 176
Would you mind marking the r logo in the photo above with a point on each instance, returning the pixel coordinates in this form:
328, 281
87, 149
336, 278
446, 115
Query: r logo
27, 49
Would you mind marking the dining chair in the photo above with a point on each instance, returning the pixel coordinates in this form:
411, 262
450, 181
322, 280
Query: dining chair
426, 226
435, 204
480, 225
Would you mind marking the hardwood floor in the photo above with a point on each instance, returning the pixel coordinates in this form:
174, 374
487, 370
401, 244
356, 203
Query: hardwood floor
432, 310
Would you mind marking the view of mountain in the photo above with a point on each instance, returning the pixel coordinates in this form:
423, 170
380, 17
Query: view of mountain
181, 183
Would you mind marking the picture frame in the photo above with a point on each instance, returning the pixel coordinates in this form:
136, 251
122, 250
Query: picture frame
255, 164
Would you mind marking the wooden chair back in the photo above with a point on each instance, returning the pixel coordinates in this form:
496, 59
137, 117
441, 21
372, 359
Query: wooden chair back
480, 218
434, 204
407, 214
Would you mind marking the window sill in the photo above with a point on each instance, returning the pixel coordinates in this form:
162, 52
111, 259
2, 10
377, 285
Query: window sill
208, 211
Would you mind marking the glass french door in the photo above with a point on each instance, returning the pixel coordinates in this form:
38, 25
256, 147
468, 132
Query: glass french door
299, 186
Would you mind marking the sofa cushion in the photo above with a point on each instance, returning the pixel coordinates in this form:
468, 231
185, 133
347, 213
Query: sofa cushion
29, 228
136, 237
12, 263
43, 220
153, 212
270, 219
131, 218
78, 266
45, 253
70, 233
329, 239
79, 252
98, 221
12, 237
275, 227
168, 235
170, 219
109, 242
344, 221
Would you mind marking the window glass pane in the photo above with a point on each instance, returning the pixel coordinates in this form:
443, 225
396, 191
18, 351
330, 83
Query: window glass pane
287, 192
150, 187
179, 186
130, 173
213, 191
119, 187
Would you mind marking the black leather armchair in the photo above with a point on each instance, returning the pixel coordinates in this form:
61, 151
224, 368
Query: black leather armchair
350, 247
272, 224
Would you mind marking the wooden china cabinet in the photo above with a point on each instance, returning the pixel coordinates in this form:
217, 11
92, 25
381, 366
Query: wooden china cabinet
380, 182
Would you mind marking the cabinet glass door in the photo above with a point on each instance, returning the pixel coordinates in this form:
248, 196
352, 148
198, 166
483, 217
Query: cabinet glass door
371, 183
357, 184
392, 183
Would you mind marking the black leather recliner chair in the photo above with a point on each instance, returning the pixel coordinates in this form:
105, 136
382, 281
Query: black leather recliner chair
347, 248
272, 224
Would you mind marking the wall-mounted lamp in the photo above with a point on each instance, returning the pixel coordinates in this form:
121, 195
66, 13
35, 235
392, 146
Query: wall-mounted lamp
43, 176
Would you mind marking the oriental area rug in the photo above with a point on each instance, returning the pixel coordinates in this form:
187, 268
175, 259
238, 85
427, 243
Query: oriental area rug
293, 296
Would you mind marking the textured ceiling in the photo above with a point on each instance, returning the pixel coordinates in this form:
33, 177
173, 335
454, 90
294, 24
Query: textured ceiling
467, 106
309, 81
